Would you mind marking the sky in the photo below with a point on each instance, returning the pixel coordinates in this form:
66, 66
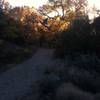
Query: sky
37, 3
94, 2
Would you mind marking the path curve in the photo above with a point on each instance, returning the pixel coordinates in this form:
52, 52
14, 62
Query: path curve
17, 81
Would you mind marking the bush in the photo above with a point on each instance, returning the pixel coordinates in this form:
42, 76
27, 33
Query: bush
48, 86
76, 79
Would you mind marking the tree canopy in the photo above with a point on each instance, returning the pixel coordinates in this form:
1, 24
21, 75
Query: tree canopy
65, 7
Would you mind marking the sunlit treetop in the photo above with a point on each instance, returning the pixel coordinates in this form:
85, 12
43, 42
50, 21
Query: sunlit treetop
64, 7
38, 3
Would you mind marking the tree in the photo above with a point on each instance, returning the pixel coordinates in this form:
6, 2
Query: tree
4, 5
1, 3
79, 6
1, 6
60, 4
54, 5
64, 6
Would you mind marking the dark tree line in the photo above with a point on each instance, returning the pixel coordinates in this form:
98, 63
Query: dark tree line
81, 37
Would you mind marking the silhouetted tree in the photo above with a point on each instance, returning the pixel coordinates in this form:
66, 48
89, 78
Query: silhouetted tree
96, 25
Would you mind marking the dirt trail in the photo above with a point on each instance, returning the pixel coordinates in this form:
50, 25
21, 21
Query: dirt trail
17, 81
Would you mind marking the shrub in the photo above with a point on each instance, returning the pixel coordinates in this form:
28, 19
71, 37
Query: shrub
77, 79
